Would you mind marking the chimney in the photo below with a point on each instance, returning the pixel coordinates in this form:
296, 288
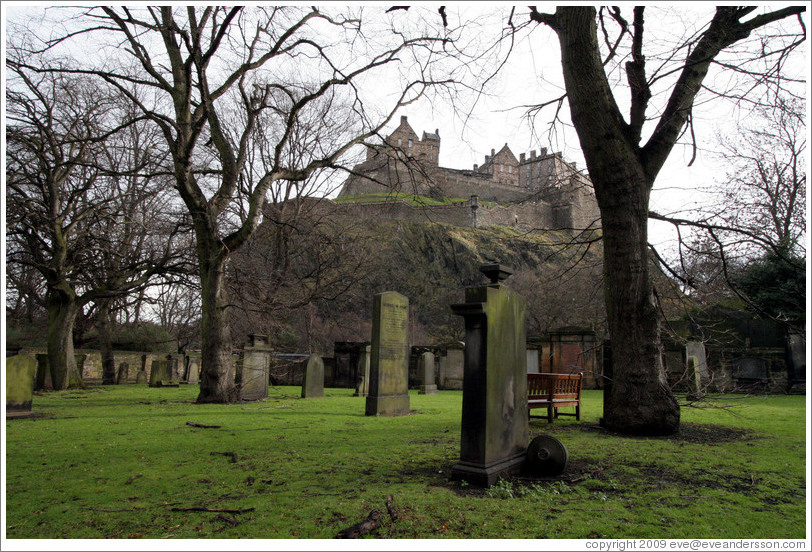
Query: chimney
476, 167
532, 154
487, 159
543, 152
437, 131
403, 119
493, 152
521, 158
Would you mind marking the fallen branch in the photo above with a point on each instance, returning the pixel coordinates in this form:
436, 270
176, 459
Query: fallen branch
369, 524
216, 510
390, 507
193, 424
233, 455
133, 478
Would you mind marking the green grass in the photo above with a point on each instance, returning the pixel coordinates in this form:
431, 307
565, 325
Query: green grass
114, 461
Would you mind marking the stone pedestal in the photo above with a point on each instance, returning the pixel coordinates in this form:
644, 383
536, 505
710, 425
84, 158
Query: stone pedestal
20, 373
255, 361
494, 433
426, 371
313, 382
389, 365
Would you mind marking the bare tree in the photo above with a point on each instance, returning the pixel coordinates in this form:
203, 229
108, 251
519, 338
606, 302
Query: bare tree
66, 219
215, 74
623, 167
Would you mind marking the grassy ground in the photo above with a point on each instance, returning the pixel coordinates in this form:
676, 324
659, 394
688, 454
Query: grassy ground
123, 462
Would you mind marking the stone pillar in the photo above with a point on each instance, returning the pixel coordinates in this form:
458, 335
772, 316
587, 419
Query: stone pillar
255, 361
20, 373
494, 434
426, 371
389, 365
313, 382
364, 361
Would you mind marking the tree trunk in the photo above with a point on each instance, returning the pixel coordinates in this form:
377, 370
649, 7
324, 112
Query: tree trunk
217, 368
62, 311
640, 401
105, 343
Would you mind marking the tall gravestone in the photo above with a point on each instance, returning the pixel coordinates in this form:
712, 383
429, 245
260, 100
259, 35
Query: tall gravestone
43, 378
494, 435
192, 371
426, 371
313, 382
452, 369
695, 356
20, 373
364, 360
123, 373
389, 365
254, 364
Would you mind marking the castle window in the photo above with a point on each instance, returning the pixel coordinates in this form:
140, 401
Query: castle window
410, 142
400, 142
510, 169
501, 167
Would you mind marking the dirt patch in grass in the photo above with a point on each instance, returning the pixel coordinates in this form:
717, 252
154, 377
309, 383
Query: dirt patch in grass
704, 434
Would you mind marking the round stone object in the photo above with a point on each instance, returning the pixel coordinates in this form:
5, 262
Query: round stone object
546, 456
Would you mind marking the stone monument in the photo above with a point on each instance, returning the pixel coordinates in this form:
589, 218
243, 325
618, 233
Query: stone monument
494, 435
20, 373
313, 382
254, 363
426, 371
389, 365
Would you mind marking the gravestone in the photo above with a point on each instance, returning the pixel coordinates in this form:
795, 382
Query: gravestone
364, 361
426, 371
796, 359
161, 374
141, 377
389, 365
494, 433
43, 378
20, 373
751, 370
452, 369
254, 364
313, 382
123, 373
192, 371
696, 349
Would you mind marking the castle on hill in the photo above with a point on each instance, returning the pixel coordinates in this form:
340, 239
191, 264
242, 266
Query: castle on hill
538, 191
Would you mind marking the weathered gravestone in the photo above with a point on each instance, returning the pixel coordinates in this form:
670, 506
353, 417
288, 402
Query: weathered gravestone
426, 371
20, 373
389, 366
452, 369
192, 370
364, 361
253, 368
494, 433
313, 382
141, 377
43, 378
123, 373
161, 374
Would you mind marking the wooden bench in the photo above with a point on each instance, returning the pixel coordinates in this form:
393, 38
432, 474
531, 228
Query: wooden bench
552, 391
